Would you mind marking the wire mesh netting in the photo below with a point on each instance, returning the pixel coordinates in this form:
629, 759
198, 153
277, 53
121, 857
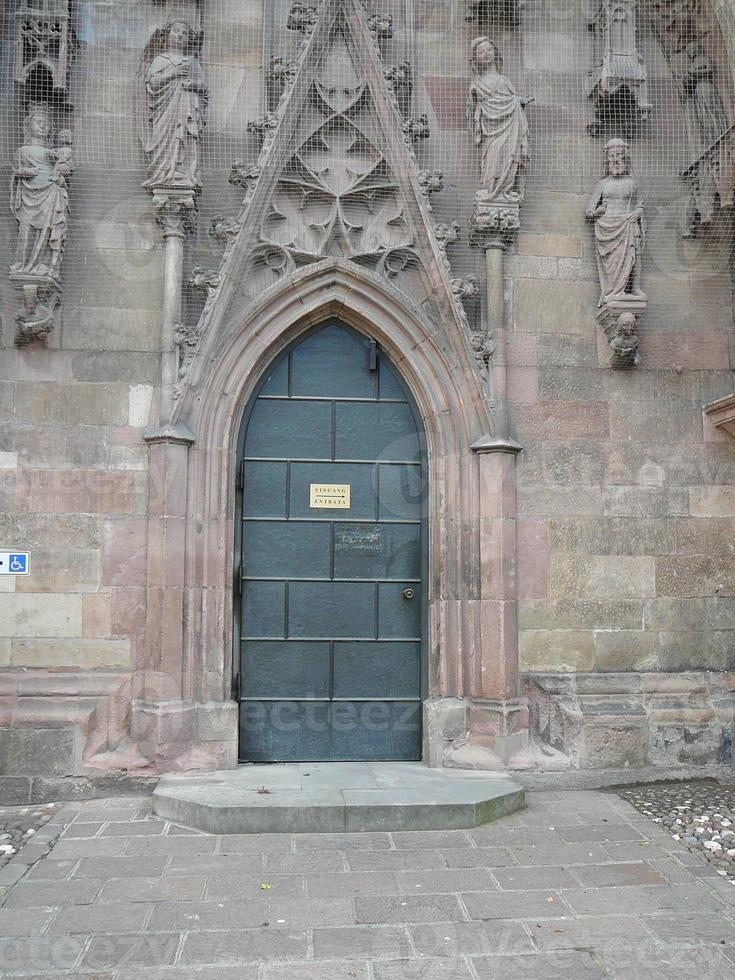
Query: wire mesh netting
655, 73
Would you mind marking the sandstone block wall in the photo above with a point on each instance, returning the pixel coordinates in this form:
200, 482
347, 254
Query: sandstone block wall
626, 494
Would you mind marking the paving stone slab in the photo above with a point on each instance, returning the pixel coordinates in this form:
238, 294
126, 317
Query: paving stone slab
647, 962
551, 966
471, 938
361, 943
354, 797
243, 946
422, 970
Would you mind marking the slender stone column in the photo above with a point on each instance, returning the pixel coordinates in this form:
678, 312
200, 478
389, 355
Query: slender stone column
175, 213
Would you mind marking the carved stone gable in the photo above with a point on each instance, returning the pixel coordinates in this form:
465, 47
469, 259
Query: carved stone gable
337, 178
326, 182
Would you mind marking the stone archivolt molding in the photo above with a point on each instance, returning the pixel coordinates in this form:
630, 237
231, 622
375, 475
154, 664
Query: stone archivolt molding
337, 176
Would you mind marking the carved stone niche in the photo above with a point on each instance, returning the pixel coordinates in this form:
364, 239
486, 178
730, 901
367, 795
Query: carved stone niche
711, 183
44, 49
620, 89
496, 11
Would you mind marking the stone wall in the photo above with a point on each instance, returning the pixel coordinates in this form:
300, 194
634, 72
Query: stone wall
626, 494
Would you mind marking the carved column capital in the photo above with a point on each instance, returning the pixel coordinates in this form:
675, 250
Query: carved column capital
493, 225
175, 211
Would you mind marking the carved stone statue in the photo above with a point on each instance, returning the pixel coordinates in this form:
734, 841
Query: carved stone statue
616, 208
39, 200
704, 102
176, 95
40, 197
499, 125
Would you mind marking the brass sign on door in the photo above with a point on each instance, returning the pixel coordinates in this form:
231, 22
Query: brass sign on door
329, 496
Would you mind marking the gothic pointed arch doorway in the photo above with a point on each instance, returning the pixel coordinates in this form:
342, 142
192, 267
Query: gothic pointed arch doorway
331, 551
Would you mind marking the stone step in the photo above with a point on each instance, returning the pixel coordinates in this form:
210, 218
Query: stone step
335, 797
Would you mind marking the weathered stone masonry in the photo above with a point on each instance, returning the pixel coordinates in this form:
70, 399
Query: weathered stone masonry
581, 501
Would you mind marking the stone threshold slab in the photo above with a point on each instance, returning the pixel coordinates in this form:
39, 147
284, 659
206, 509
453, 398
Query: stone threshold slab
335, 798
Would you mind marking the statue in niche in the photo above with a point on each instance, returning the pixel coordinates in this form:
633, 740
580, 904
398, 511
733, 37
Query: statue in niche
704, 102
616, 208
40, 198
499, 126
176, 96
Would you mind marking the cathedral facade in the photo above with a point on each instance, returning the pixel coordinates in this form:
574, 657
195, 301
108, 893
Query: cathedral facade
367, 387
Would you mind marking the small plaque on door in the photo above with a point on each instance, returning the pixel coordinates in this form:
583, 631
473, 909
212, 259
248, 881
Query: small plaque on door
329, 496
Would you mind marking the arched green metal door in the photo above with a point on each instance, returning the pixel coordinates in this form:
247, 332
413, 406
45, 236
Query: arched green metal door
331, 546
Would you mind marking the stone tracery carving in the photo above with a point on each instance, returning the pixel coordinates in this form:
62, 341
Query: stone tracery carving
508, 11
176, 99
620, 90
40, 205
44, 47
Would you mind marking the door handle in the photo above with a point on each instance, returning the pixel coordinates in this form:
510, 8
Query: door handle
409, 594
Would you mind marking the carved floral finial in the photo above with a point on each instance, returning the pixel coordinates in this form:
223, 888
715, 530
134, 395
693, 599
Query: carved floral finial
447, 234
431, 181
207, 280
302, 17
416, 129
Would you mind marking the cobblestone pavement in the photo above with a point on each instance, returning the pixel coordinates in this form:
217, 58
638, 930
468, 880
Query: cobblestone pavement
700, 813
578, 886
19, 825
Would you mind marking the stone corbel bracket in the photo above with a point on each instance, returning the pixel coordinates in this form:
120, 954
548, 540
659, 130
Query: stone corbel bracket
492, 221
41, 310
619, 320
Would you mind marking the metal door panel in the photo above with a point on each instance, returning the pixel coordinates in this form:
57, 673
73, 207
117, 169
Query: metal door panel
285, 549
290, 429
398, 616
376, 430
377, 551
330, 646
331, 609
333, 363
293, 731
276, 669
266, 484
276, 382
264, 609
377, 670
400, 492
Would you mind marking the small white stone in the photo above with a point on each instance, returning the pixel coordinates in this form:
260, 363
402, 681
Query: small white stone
712, 845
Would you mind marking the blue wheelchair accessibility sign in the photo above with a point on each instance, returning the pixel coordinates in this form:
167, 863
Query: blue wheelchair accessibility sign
15, 563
